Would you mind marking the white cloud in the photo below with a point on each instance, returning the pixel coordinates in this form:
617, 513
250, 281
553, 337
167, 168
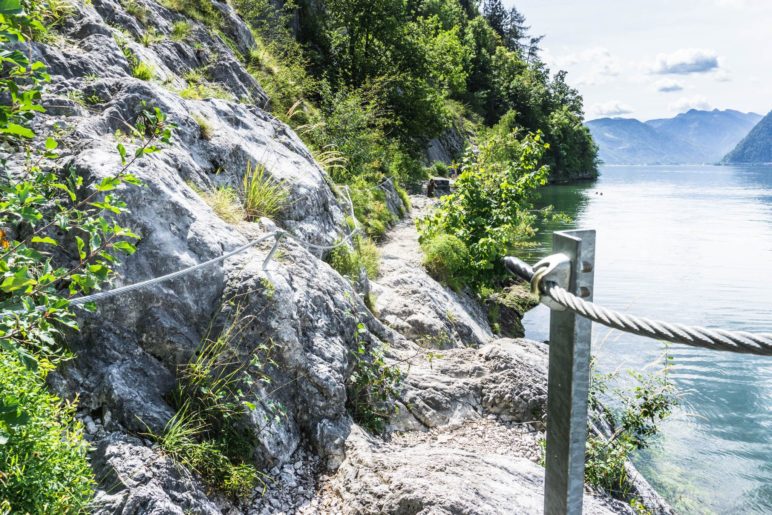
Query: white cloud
685, 61
593, 65
683, 104
611, 108
668, 85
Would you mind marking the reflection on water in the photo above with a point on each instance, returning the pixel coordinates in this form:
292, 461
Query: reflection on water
691, 245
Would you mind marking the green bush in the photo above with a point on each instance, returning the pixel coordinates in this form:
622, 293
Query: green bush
635, 418
350, 261
446, 258
490, 208
43, 465
215, 391
181, 30
370, 208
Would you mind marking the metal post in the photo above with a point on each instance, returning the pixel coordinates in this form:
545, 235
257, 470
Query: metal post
569, 381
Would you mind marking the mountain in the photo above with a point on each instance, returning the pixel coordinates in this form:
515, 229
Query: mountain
712, 133
688, 138
756, 147
629, 141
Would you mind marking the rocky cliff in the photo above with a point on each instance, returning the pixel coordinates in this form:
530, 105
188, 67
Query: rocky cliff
471, 406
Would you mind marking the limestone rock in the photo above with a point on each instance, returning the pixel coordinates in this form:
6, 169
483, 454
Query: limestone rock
429, 479
139, 480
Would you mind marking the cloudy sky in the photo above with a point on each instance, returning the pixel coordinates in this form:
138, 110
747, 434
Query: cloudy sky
655, 58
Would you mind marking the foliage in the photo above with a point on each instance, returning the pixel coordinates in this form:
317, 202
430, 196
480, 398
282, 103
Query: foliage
489, 211
143, 71
216, 390
43, 466
446, 258
207, 131
58, 239
263, 195
201, 10
45, 210
199, 88
181, 29
370, 208
634, 420
350, 261
373, 385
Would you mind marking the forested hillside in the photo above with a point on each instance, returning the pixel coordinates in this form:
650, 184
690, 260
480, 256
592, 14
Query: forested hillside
756, 147
370, 83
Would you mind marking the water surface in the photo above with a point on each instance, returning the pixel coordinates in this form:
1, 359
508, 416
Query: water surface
691, 245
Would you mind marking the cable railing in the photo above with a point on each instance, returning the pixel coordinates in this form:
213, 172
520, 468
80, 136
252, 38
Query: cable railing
564, 282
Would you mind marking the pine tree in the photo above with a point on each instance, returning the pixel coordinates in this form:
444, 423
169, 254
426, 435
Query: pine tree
496, 15
515, 30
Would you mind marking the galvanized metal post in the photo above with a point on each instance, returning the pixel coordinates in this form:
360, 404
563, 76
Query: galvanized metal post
569, 381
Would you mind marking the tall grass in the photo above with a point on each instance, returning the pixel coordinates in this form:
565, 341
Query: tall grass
262, 194
213, 395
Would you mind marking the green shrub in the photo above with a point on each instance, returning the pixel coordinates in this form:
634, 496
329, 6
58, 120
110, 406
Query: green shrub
373, 386
136, 9
446, 258
369, 256
370, 208
43, 465
199, 88
490, 208
350, 261
440, 169
201, 10
181, 29
635, 419
263, 195
143, 71
404, 197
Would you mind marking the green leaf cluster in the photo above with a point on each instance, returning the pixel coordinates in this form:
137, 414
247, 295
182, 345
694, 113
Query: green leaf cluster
43, 458
373, 385
489, 212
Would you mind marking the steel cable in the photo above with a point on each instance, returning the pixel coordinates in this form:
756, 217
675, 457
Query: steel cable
717, 339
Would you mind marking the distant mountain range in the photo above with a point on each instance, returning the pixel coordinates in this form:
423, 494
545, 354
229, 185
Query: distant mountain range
756, 147
694, 137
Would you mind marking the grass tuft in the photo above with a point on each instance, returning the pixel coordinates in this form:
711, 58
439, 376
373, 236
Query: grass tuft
143, 71
181, 30
225, 202
263, 195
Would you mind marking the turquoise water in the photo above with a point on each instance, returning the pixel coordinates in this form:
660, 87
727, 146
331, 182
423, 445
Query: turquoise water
691, 245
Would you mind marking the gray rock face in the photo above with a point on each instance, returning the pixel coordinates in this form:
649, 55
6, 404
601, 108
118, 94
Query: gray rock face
445, 148
507, 378
435, 479
129, 353
139, 480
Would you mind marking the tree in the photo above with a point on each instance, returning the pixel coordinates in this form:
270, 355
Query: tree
515, 31
497, 17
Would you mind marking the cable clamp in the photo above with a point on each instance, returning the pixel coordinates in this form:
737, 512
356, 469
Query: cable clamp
555, 269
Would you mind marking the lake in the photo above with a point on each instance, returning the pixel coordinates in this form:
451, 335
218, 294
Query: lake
690, 244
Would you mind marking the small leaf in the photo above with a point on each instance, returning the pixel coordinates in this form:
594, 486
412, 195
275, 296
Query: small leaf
46, 240
51, 143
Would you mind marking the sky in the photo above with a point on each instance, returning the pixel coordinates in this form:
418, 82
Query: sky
656, 58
